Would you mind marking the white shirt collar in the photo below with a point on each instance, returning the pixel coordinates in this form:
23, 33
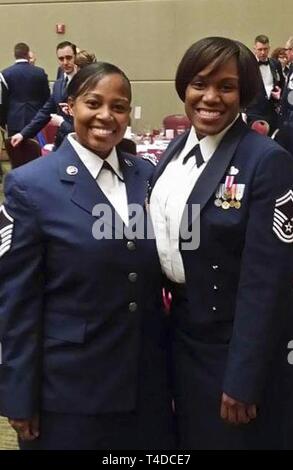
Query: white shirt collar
2, 79
262, 60
208, 144
18, 61
93, 162
69, 76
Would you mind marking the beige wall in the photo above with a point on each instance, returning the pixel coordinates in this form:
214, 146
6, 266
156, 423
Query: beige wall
146, 38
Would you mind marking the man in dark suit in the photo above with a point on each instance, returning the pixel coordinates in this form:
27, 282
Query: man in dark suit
287, 96
284, 136
24, 90
266, 103
66, 52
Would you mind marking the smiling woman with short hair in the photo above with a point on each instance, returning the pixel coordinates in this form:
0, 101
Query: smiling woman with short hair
229, 268
81, 314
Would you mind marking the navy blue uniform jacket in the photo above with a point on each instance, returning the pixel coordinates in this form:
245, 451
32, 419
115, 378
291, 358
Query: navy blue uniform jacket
28, 90
80, 318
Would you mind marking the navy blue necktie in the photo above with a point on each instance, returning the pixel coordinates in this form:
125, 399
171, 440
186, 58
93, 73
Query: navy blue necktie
194, 152
64, 85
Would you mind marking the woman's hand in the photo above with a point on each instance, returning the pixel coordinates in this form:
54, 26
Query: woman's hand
236, 412
27, 429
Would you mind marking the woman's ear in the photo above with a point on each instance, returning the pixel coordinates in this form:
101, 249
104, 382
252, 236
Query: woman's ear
70, 102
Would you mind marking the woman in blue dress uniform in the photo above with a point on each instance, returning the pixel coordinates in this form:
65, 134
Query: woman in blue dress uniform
229, 267
83, 350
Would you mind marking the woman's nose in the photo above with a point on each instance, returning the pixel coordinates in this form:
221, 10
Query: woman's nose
104, 112
211, 94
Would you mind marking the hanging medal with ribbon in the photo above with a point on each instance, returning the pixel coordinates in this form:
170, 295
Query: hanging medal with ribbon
233, 193
227, 191
239, 195
219, 193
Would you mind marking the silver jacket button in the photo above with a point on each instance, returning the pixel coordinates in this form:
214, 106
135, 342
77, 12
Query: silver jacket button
131, 246
132, 306
132, 277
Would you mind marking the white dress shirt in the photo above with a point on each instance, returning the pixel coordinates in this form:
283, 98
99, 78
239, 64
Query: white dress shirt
110, 182
267, 78
3, 83
69, 77
169, 197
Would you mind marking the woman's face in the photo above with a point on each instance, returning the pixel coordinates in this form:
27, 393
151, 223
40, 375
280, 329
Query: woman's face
101, 114
212, 100
283, 59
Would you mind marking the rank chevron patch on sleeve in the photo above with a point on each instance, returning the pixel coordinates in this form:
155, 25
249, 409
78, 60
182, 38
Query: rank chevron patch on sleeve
6, 229
283, 217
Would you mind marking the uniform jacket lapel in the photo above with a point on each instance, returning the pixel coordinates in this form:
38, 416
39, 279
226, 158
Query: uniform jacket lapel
175, 146
135, 181
86, 192
216, 168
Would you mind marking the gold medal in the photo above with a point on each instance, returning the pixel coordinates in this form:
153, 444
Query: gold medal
218, 202
233, 190
225, 205
228, 186
239, 195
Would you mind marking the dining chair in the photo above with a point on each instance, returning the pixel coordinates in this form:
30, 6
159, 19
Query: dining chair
24, 152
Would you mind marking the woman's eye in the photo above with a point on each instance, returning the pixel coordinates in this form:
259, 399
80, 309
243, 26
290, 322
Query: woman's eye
120, 108
228, 87
198, 85
92, 103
